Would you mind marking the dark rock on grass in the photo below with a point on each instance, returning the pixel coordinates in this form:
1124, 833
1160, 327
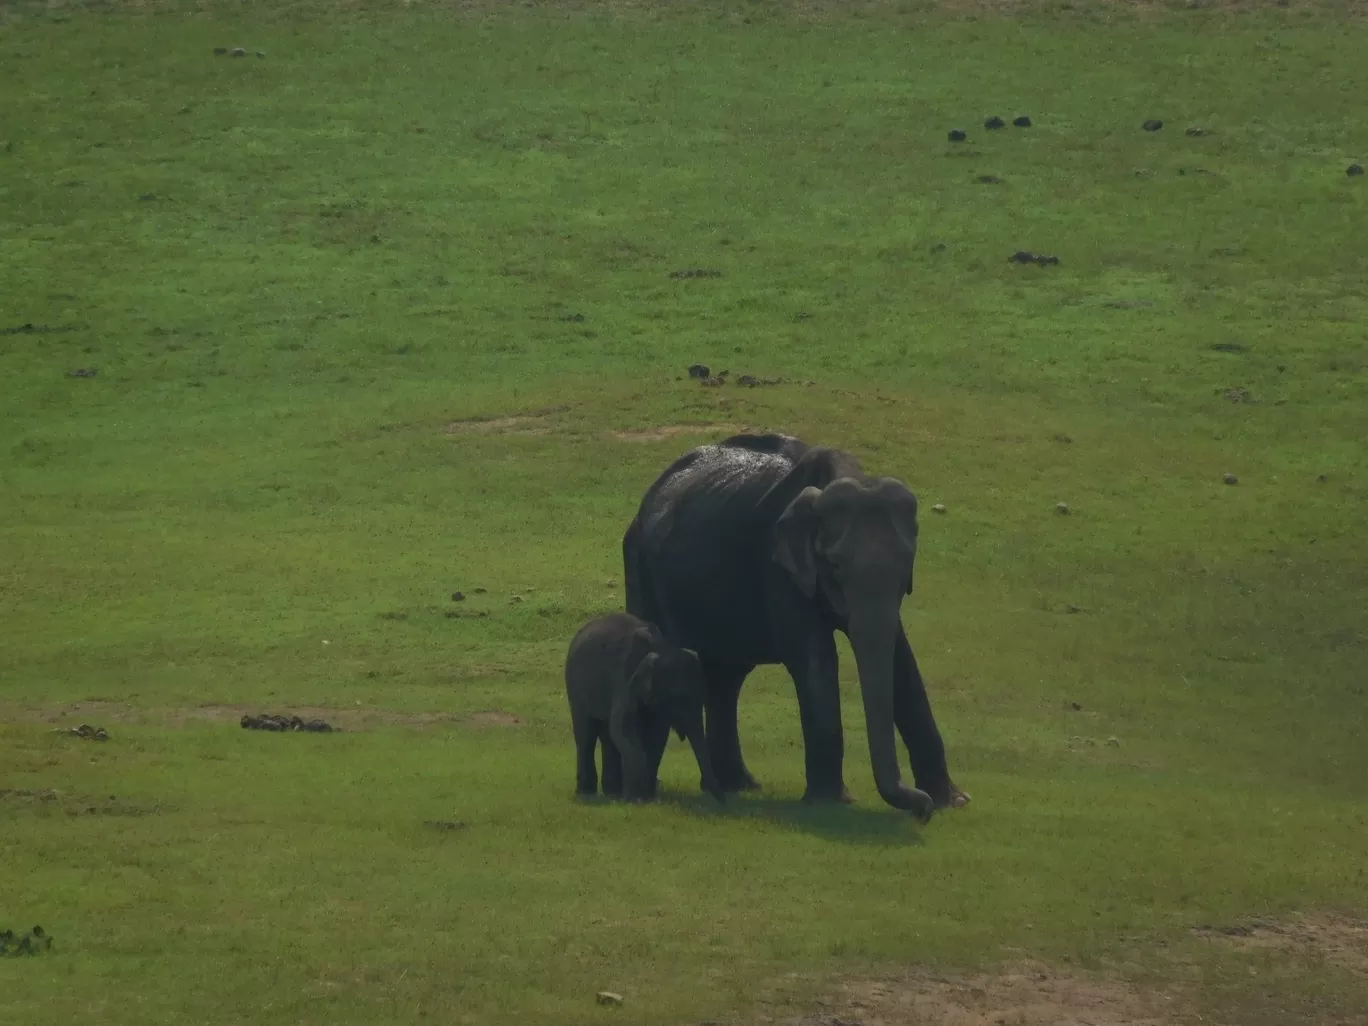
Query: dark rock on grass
1354, 170
238, 51
86, 732
751, 381
957, 135
989, 180
713, 381
458, 596
1022, 122
1230, 479
1023, 256
1062, 508
993, 123
480, 591
1152, 125
261, 53
31, 943
699, 371
269, 721
81, 372
695, 272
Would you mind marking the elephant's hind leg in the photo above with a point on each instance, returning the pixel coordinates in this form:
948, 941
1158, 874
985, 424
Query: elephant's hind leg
724, 744
586, 738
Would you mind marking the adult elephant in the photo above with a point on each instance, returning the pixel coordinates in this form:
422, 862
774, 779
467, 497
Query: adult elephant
754, 551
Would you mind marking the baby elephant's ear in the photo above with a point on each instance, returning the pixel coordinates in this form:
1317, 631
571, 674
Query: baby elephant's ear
642, 684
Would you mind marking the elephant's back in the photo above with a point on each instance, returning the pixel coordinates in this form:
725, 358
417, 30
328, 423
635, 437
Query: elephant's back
716, 487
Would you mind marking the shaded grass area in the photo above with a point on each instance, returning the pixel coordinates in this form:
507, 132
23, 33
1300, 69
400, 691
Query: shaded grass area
395, 222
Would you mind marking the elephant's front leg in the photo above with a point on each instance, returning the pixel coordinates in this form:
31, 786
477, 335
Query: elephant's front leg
815, 670
913, 717
724, 743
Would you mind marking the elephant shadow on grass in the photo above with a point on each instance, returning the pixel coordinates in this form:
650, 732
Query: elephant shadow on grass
848, 823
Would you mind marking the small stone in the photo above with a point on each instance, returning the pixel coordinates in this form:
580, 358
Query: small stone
238, 51
957, 135
148, 197
1322, 478
993, 123
1022, 122
699, 371
1062, 508
458, 596
1354, 170
1113, 743
1153, 125
607, 997
938, 508
1231, 479
516, 599
989, 180
480, 591
748, 381
261, 53
1075, 707
81, 372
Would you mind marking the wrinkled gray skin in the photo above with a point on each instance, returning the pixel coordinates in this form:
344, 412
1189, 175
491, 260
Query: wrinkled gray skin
628, 688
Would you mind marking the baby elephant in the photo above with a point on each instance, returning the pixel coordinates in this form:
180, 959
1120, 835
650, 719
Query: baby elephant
628, 687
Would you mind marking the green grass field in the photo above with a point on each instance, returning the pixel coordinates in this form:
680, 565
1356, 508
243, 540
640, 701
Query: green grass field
389, 313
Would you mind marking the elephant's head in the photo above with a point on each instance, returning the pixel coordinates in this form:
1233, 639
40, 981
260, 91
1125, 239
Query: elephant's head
853, 543
668, 684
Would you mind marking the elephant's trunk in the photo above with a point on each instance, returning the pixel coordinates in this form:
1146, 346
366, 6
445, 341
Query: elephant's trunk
691, 727
873, 636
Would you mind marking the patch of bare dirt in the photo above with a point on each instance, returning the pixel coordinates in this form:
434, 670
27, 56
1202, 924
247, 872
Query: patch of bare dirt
348, 718
1332, 937
658, 434
1028, 995
530, 423
493, 718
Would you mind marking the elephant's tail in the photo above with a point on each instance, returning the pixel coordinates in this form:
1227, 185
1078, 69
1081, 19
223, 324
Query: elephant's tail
633, 582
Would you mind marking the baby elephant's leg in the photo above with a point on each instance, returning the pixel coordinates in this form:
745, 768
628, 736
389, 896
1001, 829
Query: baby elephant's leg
612, 766
586, 737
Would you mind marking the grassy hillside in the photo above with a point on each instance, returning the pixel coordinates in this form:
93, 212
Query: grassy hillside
390, 313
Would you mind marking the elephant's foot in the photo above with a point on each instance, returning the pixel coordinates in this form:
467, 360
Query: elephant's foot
828, 795
946, 795
952, 798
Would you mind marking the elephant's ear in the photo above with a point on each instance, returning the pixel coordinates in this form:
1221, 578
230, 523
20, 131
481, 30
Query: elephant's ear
902, 510
794, 539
